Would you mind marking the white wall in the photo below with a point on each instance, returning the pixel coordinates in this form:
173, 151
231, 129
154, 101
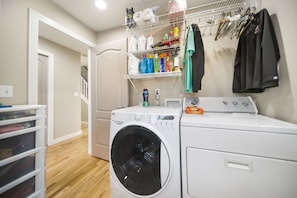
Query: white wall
14, 41
67, 111
279, 102
14, 60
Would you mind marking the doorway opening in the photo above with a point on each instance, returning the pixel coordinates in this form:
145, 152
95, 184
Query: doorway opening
39, 24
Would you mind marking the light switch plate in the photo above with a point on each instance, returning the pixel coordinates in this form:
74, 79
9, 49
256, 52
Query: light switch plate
6, 91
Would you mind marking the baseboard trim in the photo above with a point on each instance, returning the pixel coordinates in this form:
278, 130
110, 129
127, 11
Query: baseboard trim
64, 138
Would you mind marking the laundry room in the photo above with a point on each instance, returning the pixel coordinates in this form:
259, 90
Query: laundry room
127, 98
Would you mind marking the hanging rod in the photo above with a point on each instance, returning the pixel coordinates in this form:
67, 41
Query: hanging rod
220, 6
213, 11
206, 10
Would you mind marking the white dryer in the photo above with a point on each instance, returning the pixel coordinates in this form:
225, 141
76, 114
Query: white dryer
145, 152
231, 151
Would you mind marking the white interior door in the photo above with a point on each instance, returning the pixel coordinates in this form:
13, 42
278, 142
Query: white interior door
45, 90
109, 91
43, 85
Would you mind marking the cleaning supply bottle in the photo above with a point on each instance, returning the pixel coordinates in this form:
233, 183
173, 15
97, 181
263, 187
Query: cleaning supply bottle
145, 97
156, 64
150, 41
143, 65
167, 63
175, 32
162, 63
175, 35
150, 63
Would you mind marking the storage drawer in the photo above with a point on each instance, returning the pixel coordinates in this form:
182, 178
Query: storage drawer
213, 174
16, 145
16, 126
22, 156
16, 114
24, 189
16, 169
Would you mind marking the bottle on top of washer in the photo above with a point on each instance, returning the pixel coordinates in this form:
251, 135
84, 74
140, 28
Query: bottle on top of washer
145, 97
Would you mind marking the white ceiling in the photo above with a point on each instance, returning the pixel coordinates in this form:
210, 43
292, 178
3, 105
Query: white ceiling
114, 16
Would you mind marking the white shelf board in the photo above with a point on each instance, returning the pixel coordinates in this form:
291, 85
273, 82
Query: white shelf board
154, 75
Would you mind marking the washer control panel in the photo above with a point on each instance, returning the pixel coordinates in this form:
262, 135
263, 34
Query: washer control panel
160, 118
159, 121
165, 122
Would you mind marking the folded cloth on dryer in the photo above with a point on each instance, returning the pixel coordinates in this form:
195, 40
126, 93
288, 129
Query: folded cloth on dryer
194, 110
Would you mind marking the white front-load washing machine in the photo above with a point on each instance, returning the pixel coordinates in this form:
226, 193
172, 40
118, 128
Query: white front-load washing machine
145, 152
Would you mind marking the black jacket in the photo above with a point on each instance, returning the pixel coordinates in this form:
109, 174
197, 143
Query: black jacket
197, 60
257, 56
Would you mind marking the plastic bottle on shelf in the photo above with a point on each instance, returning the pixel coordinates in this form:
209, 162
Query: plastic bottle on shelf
175, 35
141, 43
150, 42
170, 38
176, 63
170, 35
167, 63
162, 63
165, 39
175, 32
143, 65
150, 63
156, 64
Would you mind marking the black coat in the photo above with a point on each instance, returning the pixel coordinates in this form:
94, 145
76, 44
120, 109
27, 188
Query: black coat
198, 60
257, 56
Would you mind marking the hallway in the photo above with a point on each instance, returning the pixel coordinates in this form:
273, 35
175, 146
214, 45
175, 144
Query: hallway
71, 172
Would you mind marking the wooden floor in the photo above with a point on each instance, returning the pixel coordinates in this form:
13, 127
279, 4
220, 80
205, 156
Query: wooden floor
71, 172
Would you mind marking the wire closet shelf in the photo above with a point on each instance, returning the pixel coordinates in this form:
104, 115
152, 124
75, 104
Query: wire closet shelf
208, 14
205, 15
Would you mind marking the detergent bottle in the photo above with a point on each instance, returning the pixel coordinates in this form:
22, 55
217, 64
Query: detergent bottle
156, 64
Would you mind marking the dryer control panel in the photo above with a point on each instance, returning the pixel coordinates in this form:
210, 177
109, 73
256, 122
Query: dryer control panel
222, 104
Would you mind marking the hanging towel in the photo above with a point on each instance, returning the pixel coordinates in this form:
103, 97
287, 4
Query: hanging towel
257, 56
197, 59
187, 60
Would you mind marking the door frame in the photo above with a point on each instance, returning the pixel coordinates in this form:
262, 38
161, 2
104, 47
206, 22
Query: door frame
50, 95
34, 19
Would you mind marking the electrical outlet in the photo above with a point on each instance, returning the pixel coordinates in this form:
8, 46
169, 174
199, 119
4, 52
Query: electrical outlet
6, 91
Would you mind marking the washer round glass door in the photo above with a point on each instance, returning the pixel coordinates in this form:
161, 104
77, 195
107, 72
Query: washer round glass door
140, 160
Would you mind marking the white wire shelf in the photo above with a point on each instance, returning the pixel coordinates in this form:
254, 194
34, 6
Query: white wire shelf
154, 75
198, 13
158, 49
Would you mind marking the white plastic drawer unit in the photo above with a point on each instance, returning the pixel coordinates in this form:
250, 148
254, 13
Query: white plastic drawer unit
22, 157
223, 163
